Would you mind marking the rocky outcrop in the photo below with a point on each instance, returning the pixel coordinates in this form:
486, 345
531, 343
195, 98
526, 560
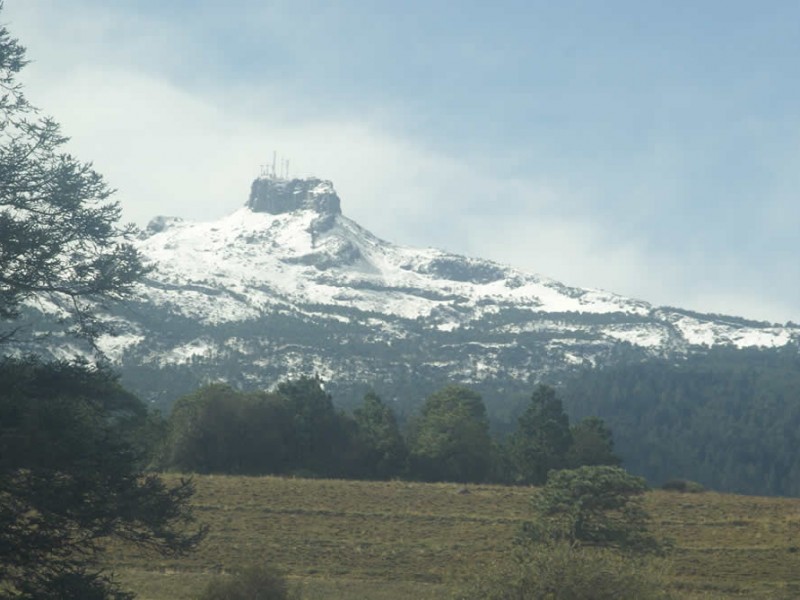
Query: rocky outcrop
278, 196
159, 224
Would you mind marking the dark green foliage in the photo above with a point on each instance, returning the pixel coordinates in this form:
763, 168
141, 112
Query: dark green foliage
600, 506
726, 418
592, 444
542, 438
58, 228
294, 430
220, 430
252, 583
71, 454
321, 439
450, 440
729, 419
70, 476
587, 541
381, 446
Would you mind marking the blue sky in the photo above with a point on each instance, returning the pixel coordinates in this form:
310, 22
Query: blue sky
647, 148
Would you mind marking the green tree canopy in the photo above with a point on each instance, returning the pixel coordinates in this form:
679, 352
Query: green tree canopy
450, 439
321, 441
70, 476
592, 444
594, 506
542, 438
382, 448
217, 429
71, 468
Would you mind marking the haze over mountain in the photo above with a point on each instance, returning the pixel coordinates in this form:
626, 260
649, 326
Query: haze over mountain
287, 285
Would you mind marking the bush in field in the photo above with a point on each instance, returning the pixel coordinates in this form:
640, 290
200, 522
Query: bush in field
589, 540
683, 485
251, 583
600, 506
561, 571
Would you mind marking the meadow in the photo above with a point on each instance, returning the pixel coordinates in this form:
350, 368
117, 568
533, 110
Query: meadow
396, 540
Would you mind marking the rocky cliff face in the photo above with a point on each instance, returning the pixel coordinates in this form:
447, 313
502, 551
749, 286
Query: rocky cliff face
279, 196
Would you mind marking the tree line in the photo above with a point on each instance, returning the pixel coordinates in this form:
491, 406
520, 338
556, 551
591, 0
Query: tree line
296, 430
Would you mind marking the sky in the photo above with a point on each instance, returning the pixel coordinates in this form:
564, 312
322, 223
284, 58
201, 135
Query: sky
650, 149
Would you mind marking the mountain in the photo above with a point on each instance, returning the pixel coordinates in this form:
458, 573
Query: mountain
287, 285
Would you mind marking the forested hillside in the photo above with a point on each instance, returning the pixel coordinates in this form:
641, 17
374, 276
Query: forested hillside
729, 419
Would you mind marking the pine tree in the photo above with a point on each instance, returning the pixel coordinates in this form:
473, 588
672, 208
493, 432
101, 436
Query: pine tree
71, 476
450, 440
71, 469
381, 445
542, 438
59, 237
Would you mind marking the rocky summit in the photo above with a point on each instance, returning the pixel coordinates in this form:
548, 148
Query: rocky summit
287, 285
277, 196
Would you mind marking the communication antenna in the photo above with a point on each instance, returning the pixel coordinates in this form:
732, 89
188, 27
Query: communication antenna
278, 169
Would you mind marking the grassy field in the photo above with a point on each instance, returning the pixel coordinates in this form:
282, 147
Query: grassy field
397, 540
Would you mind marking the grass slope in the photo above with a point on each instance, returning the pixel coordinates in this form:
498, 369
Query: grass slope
393, 540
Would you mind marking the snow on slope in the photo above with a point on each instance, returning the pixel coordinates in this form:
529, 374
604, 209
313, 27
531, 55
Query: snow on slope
248, 262
288, 281
307, 254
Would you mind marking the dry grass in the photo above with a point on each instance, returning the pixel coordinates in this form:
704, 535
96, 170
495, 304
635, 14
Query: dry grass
392, 540
731, 545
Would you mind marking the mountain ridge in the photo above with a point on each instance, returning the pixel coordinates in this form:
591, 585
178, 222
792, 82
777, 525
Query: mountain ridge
287, 285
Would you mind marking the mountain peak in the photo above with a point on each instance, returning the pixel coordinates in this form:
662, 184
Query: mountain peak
277, 196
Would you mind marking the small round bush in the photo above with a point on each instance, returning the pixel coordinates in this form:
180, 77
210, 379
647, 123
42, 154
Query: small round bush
252, 583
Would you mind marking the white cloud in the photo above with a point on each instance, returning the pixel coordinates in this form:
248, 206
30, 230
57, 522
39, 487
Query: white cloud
171, 152
192, 154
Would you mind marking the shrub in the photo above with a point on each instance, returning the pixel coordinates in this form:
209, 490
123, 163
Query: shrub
561, 571
251, 583
601, 506
683, 485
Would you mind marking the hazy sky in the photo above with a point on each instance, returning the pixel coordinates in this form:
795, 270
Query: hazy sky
647, 148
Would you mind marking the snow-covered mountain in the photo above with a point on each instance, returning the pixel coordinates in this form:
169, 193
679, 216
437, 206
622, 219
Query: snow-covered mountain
287, 285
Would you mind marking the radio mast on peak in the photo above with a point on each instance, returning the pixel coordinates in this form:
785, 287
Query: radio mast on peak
278, 169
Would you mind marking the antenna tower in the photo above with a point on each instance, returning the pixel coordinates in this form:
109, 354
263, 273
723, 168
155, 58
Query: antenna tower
278, 169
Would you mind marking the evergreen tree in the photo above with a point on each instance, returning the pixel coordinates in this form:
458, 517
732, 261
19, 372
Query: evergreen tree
592, 444
450, 440
59, 237
70, 467
217, 429
322, 440
381, 445
542, 438
727, 418
593, 506
71, 476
